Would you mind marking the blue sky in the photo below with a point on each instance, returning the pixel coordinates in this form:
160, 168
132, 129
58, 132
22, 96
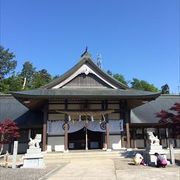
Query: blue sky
136, 38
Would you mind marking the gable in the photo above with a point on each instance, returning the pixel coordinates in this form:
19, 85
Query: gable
85, 76
88, 81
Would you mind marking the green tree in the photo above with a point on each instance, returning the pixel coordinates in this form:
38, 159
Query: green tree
120, 78
143, 85
55, 77
41, 78
15, 83
4, 87
7, 62
12, 83
27, 74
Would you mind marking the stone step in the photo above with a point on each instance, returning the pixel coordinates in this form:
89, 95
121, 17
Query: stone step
83, 154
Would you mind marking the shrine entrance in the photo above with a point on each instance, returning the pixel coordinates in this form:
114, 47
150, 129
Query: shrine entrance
85, 139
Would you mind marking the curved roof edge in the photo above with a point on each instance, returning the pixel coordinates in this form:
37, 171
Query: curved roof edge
86, 58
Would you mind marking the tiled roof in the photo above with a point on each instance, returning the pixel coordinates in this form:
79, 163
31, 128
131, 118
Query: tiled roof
85, 92
12, 109
147, 113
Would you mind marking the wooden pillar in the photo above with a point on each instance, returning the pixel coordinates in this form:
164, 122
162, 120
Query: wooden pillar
134, 137
122, 108
105, 107
45, 117
127, 129
29, 133
86, 135
86, 145
66, 128
66, 136
167, 137
120, 117
143, 132
107, 135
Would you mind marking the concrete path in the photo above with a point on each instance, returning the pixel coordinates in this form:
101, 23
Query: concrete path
86, 169
126, 171
149, 174
112, 169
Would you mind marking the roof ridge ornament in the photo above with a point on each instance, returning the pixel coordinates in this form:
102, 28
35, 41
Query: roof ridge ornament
99, 61
85, 53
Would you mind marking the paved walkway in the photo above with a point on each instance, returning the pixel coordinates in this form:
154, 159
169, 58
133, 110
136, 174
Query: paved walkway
126, 171
149, 174
86, 169
109, 169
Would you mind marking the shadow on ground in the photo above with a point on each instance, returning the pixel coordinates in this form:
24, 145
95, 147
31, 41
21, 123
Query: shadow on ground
131, 153
177, 162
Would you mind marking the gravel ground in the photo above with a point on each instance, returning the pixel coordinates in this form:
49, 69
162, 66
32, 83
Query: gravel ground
29, 174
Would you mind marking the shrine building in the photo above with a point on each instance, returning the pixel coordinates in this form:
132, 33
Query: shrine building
84, 109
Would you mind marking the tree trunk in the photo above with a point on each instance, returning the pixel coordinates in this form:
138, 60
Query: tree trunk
24, 83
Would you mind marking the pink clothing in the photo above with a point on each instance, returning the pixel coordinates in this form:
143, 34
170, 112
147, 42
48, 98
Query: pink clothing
161, 161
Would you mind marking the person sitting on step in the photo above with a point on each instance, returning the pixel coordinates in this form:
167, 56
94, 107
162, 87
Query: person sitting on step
138, 159
161, 160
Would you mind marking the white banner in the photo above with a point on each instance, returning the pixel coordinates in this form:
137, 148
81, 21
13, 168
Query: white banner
96, 126
116, 126
57, 127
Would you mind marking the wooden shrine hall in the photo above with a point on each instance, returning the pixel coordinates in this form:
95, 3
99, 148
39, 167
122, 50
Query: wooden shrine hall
85, 108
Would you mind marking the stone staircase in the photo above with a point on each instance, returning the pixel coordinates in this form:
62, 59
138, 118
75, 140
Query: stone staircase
54, 156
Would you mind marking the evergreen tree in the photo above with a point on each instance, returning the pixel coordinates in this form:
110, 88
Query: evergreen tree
120, 78
143, 85
27, 74
41, 78
12, 83
7, 62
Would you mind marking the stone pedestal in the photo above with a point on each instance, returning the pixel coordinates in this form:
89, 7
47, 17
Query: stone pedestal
33, 158
150, 158
152, 148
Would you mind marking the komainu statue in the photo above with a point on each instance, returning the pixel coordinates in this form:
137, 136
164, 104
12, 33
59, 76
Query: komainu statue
152, 138
34, 143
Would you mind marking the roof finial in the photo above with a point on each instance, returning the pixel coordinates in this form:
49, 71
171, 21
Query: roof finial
99, 61
85, 52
